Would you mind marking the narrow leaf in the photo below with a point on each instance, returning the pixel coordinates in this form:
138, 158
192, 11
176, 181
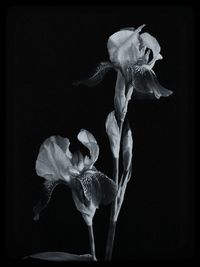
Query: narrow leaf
60, 256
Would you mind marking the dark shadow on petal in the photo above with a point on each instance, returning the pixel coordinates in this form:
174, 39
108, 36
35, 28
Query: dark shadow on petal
91, 187
46, 193
146, 85
108, 188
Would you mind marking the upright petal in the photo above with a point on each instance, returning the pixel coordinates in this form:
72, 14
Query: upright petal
88, 140
150, 42
52, 163
123, 46
98, 188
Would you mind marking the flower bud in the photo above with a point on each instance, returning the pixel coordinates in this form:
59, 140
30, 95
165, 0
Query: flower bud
127, 147
112, 130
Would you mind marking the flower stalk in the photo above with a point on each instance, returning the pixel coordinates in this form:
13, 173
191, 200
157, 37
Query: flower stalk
132, 55
92, 242
120, 111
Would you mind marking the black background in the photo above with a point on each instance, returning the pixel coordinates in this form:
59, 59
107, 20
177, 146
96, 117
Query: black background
48, 48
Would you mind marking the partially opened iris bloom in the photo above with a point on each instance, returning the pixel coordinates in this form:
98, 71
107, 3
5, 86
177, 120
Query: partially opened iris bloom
129, 52
89, 186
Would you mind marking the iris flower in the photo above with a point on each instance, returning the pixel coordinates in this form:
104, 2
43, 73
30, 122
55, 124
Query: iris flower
56, 164
130, 51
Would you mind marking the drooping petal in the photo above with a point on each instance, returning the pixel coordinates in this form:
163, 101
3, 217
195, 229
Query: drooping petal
87, 210
47, 191
97, 76
123, 46
146, 84
97, 187
91, 189
88, 140
52, 163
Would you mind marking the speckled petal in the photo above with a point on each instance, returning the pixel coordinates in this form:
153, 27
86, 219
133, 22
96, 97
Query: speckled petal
48, 188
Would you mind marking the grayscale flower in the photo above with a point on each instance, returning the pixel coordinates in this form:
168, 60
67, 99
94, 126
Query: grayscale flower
129, 52
56, 164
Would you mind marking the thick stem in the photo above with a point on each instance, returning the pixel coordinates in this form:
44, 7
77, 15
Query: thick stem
92, 243
110, 241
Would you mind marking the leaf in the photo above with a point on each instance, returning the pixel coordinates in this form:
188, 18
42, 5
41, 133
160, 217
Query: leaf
97, 75
127, 147
60, 256
112, 130
46, 193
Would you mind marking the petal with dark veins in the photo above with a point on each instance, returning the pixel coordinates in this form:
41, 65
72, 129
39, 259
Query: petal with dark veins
146, 84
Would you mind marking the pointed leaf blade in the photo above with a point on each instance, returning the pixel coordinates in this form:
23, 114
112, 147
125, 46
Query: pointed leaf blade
59, 256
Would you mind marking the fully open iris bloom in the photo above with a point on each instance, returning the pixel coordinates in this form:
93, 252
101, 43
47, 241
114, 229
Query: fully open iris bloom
130, 51
89, 186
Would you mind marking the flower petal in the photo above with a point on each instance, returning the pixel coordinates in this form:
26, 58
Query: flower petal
97, 187
52, 163
123, 46
97, 76
48, 188
146, 83
62, 142
87, 210
88, 140
150, 42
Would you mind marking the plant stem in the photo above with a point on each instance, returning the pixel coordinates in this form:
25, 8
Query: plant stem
112, 226
92, 243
